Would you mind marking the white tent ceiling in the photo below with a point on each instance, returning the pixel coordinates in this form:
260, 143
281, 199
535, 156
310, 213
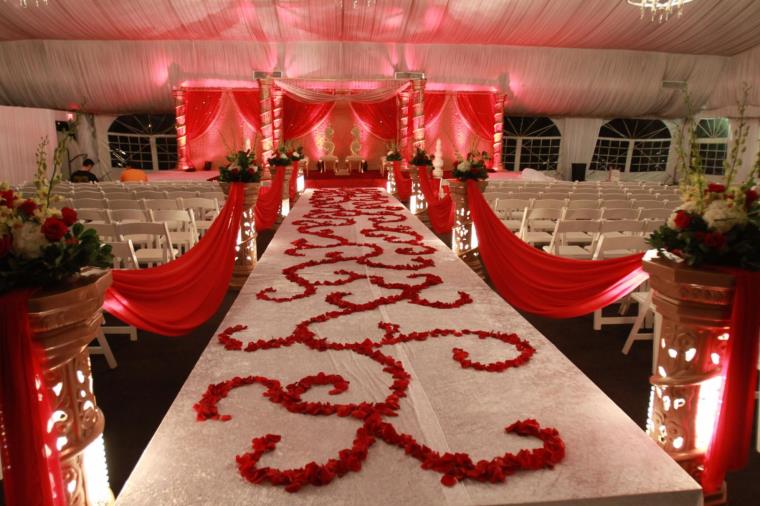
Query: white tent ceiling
560, 57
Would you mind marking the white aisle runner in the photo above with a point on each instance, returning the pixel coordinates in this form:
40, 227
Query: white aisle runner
325, 283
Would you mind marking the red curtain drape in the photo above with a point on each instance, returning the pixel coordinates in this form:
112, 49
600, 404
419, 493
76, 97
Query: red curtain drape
293, 183
731, 441
380, 118
30, 476
403, 183
269, 201
544, 284
249, 106
300, 118
174, 298
477, 111
434, 102
201, 107
441, 211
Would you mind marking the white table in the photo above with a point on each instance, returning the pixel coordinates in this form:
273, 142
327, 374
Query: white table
609, 459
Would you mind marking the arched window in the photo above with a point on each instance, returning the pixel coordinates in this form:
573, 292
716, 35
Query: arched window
712, 143
530, 143
143, 141
632, 145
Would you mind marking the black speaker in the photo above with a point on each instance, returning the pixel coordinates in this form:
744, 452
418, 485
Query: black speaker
578, 172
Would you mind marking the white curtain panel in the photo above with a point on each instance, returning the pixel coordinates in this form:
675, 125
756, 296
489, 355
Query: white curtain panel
129, 76
21, 131
579, 137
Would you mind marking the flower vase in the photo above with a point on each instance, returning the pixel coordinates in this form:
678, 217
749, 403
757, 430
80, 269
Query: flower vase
245, 257
694, 306
64, 322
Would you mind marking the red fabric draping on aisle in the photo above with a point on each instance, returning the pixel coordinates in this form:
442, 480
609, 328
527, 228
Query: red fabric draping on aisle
269, 201
249, 106
174, 298
380, 118
544, 284
300, 118
201, 107
731, 441
434, 102
477, 110
29, 476
293, 183
441, 211
403, 183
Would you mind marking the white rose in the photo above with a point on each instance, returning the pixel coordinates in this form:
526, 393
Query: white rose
722, 215
464, 167
28, 239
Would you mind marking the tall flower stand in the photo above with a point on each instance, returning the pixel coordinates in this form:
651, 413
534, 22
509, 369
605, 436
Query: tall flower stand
417, 203
695, 306
464, 241
64, 323
245, 257
390, 186
285, 196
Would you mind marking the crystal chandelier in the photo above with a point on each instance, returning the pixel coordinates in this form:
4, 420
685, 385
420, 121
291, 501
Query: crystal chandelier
660, 9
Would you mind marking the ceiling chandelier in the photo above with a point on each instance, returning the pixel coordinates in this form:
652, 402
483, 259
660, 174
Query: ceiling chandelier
660, 9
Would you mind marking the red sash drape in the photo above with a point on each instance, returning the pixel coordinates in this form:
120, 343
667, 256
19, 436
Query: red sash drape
30, 476
403, 183
270, 199
293, 183
174, 298
545, 284
441, 211
729, 448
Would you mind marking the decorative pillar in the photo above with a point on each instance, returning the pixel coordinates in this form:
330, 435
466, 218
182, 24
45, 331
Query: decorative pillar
180, 116
64, 323
285, 196
390, 185
464, 240
403, 127
418, 112
695, 307
245, 250
277, 116
417, 202
267, 128
498, 127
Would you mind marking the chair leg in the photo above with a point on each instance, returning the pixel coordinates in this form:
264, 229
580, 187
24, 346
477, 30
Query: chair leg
598, 319
635, 334
104, 349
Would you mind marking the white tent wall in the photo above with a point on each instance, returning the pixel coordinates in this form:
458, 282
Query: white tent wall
21, 131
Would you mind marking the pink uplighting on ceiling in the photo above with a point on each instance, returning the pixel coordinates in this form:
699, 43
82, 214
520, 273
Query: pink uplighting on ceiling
218, 83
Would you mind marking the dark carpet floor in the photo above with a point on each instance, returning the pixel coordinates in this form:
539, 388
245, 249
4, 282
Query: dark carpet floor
136, 395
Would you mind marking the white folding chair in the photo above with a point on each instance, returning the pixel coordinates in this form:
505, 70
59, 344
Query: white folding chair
582, 204
150, 194
620, 214
127, 215
93, 216
561, 239
153, 240
181, 225
122, 204
511, 212
204, 210
88, 203
655, 214
176, 194
617, 204
535, 223
106, 231
651, 204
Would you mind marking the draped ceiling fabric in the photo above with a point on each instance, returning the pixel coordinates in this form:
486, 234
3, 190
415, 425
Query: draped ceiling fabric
545, 55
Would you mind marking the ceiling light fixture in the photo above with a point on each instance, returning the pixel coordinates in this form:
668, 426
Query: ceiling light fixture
660, 9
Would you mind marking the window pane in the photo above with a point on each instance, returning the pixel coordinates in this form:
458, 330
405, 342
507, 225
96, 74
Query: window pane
130, 150
509, 153
649, 156
539, 153
166, 148
610, 154
713, 156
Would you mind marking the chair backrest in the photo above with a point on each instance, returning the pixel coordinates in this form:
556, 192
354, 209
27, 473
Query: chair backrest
655, 214
122, 204
128, 215
528, 194
160, 204
492, 197
80, 203
544, 213
582, 204
548, 204
150, 194
151, 235
507, 208
625, 226
203, 209
652, 204
620, 214
176, 220
564, 226
651, 225
554, 195
218, 195
582, 214
617, 204
610, 247
106, 231
96, 215
175, 194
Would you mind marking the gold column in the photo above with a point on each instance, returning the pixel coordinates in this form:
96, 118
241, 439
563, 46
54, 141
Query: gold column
277, 116
418, 110
267, 128
498, 127
179, 114
464, 240
245, 256
403, 127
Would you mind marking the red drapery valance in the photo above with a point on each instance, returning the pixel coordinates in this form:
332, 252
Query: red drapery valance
31, 475
201, 108
269, 201
174, 298
379, 118
441, 211
249, 106
300, 118
477, 110
544, 284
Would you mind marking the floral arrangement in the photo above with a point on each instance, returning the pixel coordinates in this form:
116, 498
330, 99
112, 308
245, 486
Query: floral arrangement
420, 158
474, 167
285, 155
41, 245
241, 169
716, 223
393, 154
